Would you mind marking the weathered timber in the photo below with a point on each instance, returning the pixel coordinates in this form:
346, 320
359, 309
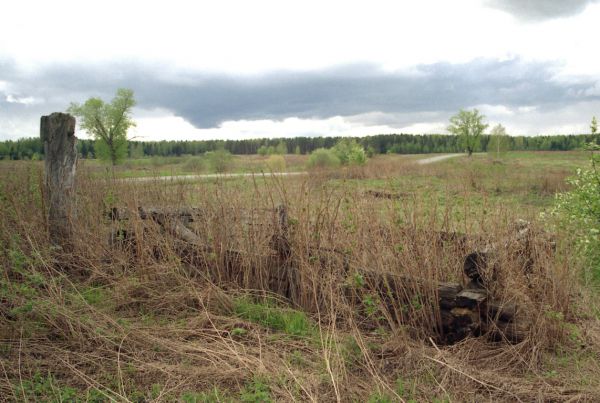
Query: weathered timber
280, 240
379, 194
482, 267
183, 213
57, 132
471, 298
514, 331
180, 231
145, 212
463, 312
503, 311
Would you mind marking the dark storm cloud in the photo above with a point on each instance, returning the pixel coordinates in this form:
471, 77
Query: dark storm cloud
206, 100
541, 9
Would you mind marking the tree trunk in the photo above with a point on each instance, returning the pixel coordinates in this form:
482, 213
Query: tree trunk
57, 132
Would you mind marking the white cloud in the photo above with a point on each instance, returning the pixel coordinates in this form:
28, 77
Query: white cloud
593, 91
424, 128
162, 125
495, 110
19, 128
265, 35
242, 38
22, 100
525, 109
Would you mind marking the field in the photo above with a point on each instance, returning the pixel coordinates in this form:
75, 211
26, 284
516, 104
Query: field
249, 309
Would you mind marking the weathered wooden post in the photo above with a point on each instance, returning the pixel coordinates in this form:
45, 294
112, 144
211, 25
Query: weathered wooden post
58, 135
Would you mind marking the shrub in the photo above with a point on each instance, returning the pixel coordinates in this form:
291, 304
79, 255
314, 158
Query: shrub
263, 150
194, 164
281, 148
219, 160
276, 163
581, 210
350, 152
323, 158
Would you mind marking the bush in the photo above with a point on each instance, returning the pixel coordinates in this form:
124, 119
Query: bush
263, 150
219, 160
194, 164
276, 163
349, 152
579, 211
323, 158
281, 148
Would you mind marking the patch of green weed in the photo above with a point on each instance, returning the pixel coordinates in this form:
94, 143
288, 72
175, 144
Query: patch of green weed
286, 320
256, 391
213, 396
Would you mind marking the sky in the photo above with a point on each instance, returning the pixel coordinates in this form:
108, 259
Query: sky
250, 69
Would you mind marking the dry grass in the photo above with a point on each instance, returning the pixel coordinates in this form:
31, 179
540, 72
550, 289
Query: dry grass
141, 323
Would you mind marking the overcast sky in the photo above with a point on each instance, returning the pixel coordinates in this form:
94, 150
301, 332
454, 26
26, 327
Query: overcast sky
247, 69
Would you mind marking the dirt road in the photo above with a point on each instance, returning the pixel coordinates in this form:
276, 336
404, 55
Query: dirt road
437, 158
423, 161
210, 176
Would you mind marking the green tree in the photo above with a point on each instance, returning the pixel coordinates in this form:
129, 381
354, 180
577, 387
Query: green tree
276, 163
108, 123
349, 152
281, 148
263, 150
579, 209
219, 160
498, 141
323, 158
3, 150
136, 150
468, 126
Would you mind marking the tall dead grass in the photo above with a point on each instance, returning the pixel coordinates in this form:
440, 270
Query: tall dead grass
118, 320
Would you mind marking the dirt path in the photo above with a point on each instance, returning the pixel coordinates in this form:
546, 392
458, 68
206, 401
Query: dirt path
210, 176
423, 161
437, 158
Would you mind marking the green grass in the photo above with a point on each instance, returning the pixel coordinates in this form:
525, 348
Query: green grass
213, 396
256, 391
94, 295
523, 181
187, 165
42, 388
280, 319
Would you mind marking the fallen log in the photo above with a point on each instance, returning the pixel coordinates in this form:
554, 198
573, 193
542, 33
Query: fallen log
462, 311
180, 231
186, 213
119, 213
522, 246
379, 194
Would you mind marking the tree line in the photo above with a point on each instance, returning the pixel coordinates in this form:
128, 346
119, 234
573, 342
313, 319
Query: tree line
32, 148
108, 123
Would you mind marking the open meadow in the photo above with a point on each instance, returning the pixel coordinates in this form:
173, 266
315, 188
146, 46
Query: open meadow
324, 286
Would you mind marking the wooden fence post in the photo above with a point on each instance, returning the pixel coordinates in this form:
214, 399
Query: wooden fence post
57, 132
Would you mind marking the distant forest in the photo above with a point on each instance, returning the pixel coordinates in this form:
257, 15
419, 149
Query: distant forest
32, 148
